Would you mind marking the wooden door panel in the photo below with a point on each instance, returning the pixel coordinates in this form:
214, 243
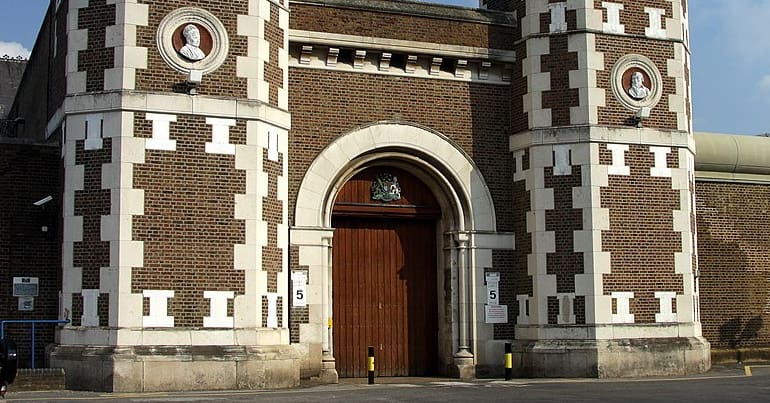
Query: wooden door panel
384, 290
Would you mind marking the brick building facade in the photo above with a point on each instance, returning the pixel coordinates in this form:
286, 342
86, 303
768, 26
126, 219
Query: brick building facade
322, 176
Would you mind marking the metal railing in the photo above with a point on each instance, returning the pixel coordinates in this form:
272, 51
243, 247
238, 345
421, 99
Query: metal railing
33, 322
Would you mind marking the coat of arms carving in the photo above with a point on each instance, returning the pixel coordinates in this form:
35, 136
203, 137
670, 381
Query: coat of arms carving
385, 188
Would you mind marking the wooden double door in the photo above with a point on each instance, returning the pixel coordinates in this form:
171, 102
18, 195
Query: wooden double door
384, 289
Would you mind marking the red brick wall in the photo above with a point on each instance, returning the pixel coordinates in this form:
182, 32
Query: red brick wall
614, 114
399, 26
633, 16
734, 263
188, 227
641, 238
25, 250
160, 77
273, 73
474, 116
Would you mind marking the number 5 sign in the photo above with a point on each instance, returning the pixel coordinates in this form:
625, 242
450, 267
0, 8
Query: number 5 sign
493, 297
299, 288
493, 290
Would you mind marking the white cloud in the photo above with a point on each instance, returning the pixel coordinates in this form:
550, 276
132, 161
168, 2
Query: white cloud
764, 83
13, 49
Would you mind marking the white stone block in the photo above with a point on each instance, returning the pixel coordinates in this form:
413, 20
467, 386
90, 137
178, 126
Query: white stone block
133, 13
158, 309
127, 253
622, 303
558, 17
587, 240
655, 28
618, 166
660, 169
218, 309
151, 337
613, 25
77, 40
72, 280
666, 313
130, 150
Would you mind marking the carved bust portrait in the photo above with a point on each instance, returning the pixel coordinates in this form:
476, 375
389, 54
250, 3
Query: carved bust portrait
191, 49
638, 90
191, 38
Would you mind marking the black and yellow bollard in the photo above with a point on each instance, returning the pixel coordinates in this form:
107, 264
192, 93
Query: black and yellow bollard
508, 362
370, 364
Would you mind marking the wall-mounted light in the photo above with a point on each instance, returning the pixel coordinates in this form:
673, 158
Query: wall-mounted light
642, 114
43, 201
194, 79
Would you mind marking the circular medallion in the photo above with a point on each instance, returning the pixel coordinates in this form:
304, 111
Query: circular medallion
191, 38
637, 82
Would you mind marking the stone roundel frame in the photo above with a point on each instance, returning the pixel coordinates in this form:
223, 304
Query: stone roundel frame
649, 69
202, 18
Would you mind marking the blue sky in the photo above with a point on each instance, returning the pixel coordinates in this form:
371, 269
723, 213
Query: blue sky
730, 64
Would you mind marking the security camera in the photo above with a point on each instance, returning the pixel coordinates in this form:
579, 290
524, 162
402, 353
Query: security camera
43, 201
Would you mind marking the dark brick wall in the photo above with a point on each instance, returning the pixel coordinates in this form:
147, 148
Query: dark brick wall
519, 88
559, 63
563, 220
28, 174
188, 227
734, 263
43, 85
502, 5
91, 203
10, 77
97, 58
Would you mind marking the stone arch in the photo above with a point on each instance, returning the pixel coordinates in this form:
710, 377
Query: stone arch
451, 169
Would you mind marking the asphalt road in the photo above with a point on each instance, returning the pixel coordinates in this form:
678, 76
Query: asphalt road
720, 385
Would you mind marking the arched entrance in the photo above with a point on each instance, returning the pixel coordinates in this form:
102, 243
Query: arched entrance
466, 234
385, 274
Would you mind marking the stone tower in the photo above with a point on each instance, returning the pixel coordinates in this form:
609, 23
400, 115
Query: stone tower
175, 229
604, 168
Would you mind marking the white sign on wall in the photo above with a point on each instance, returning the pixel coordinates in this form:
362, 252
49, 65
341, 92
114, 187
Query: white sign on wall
493, 311
26, 304
25, 286
299, 288
496, 313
